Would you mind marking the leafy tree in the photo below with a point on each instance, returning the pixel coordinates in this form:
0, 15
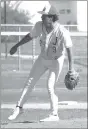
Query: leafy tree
13, 16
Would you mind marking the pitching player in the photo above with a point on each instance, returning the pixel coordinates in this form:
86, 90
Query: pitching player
54, 40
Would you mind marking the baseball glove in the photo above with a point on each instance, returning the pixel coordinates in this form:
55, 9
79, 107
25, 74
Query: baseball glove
71, 80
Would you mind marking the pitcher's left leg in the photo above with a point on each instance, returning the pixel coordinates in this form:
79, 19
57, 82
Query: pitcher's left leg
54, 73
52, 80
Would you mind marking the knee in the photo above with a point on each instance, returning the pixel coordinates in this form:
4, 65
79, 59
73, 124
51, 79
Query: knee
51, 80
50, 86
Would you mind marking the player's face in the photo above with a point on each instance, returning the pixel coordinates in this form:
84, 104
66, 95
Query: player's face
47, 20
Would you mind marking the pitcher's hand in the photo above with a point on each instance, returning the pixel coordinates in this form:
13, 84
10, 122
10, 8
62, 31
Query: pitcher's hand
13, 50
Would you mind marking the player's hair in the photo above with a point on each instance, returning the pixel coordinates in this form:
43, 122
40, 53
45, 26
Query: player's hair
55, 17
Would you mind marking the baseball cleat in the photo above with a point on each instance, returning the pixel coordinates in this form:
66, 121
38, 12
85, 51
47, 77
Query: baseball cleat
17, 111
50, 118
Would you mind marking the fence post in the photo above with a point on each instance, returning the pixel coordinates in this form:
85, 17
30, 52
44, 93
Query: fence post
68, 28
6, 47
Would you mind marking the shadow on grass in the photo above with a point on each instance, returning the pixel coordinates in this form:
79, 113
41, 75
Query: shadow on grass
24, 122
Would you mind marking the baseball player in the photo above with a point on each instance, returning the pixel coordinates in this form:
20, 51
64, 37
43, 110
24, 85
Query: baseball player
54, 40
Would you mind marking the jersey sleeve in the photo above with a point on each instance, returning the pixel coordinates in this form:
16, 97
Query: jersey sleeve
36, 30
67, 39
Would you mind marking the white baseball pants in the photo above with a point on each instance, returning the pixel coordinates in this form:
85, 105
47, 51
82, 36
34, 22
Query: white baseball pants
39, 68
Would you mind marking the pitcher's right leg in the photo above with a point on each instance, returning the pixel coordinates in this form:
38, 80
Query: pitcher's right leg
36, 72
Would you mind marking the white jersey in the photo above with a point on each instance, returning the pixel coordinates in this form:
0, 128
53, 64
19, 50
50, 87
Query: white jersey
52, 44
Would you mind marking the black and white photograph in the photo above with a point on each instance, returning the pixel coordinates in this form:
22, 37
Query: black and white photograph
43, 64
